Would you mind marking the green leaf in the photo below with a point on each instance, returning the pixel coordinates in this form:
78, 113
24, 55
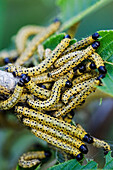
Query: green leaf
109, 162
106, 52
74, 11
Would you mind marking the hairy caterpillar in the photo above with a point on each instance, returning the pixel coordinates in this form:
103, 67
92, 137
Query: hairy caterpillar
23, 35
58, 143
36, 90
75, 61
13, 99
54, 98
98, 62
75, 102
73, 141
4, 90
78, 88
54, 123
45, 64
82, 43
38, 39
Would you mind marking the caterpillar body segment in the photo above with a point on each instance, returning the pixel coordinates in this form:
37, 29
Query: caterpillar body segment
68, 118
25, 96
58, 143
13, 99
73, 141
84, 77
4, 90
90, 66
47, 53
56, 106
64, 59
53, 123
11, 68
53, 99
78, 88
40, 52
38, 39
98, 62
47, 63
80, 44
75, 61
37, 91
28, 163
75, 102
24, 33
101, 144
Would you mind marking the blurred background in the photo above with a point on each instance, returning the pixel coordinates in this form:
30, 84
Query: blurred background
95, 116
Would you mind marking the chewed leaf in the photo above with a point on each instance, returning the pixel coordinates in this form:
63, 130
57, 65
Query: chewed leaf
106, 52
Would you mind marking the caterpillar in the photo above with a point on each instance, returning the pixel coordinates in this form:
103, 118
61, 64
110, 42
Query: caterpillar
46, 85
78, 88
36, 90
68, 118
84, 77
54, 123
53, 99
11, 68
40, 52
75, 61
98, 62
75, 102
64, 59
72, 141
80, 44
4, 90
98, 143
38, 39
45, 64
8, 56
25, 96
47, 53
14, 98
58, 143
90, 66
23, 35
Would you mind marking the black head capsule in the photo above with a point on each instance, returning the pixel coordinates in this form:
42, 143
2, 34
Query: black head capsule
49, 74
87, 138
83, 149
82, 68
67, 36
96, 44
92, 66
102, 70
6, 60
68, 83
56, 20
75, 69
79, 157
105, 152
14, 73
95, 36
43, 86
6, 68
20, 83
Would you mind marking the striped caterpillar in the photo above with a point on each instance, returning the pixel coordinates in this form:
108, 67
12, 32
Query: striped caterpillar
80, 44
74, 62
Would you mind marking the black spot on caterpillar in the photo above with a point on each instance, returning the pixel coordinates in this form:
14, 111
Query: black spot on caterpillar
82, 43
68, 118
55, 133
98, 62
4, 90
54, 98
52, 122
23, 35
38, 39
75, 61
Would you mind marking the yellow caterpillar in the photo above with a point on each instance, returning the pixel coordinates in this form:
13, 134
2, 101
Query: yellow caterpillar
54, 98
4, 90
80, 44
45, 64
54, 123
74, 62
38, 39
72, 141
23, 35
40, 52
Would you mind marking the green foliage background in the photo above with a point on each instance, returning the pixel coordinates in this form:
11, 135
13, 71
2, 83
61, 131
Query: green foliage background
93, 15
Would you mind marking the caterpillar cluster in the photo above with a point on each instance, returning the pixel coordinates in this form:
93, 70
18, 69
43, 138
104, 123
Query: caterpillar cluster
61, 82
